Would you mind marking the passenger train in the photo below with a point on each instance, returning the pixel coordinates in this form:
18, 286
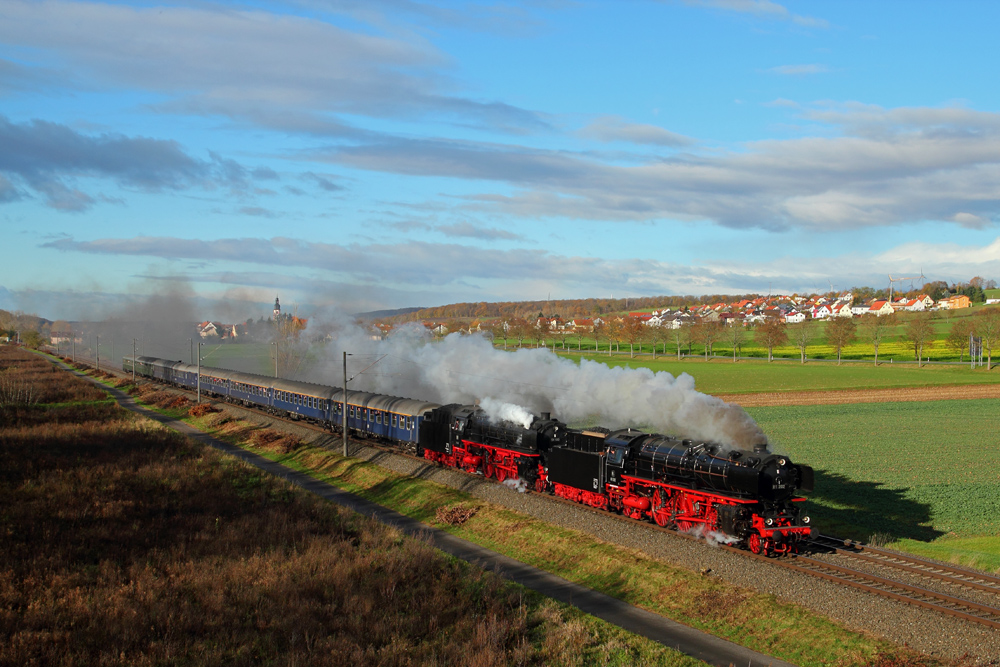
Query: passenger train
747, 497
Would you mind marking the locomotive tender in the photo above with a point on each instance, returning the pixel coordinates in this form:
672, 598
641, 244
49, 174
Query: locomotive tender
745, 497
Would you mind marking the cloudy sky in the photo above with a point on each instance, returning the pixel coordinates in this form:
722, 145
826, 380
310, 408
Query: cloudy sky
391, 153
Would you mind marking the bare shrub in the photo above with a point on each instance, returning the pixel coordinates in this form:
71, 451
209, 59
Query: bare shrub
15, 391
455, 515
202, 409
273, 441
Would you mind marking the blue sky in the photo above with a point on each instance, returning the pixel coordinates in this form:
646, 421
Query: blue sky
388, 153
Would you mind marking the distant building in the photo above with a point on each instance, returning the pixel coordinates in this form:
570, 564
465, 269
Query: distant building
953, 302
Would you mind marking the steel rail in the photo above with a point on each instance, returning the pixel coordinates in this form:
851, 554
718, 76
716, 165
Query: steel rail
929, 572
943, 572
849, 577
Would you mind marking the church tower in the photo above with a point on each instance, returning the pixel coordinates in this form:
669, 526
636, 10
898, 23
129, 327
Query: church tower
277, 309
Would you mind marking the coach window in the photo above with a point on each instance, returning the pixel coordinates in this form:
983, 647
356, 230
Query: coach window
394, 421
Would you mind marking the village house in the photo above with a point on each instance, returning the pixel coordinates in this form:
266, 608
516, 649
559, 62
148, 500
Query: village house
821, 312
880, 308
954, 302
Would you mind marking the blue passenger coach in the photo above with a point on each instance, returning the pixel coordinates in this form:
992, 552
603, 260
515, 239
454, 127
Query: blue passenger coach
368, 414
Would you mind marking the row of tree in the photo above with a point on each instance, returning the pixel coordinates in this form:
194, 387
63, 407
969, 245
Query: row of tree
840, 332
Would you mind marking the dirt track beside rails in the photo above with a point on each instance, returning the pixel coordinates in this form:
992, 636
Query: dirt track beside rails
837, 397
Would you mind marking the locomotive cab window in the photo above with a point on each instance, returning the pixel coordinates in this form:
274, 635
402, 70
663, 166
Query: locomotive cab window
616, 455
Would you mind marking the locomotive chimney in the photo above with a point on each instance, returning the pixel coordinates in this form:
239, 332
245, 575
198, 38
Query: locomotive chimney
760, 448
546, 416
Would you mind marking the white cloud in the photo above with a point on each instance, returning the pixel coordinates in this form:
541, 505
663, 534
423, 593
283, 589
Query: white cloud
275, 69
887, 167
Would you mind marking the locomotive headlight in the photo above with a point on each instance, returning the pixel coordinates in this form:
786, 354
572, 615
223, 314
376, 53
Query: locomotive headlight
769, 522
781, 462
805, 519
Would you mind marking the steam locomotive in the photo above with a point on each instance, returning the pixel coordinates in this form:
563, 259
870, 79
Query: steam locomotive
750, 498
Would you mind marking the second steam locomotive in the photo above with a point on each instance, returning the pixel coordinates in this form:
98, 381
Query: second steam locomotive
750, 498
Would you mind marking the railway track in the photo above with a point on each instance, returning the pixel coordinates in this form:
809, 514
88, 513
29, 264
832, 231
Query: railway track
969, 595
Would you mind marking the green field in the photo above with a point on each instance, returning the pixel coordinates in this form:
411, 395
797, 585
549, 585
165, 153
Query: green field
925, 474
247, 357
720, 376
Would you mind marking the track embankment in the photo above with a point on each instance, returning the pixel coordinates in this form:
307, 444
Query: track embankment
842, 396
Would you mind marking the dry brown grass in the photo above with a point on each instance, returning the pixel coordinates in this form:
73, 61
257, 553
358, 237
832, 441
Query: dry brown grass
31, 374
123, 543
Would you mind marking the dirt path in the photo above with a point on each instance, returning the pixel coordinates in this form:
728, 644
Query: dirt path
836, 397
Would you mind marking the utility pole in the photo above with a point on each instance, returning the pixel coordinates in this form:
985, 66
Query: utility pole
133, 361
199, 372
97, 351
275, 344
343, 419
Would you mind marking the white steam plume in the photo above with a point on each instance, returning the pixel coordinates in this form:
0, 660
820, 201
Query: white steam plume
463, 369
500, 411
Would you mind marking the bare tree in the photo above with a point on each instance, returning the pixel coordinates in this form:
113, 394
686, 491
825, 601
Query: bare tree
840, 332
961, 331
802, 335
657, 335
771, 334
988, 328
681, 335
613, 331
519, 329
735, 335
918, 331
707, 333
632, 333
875, 329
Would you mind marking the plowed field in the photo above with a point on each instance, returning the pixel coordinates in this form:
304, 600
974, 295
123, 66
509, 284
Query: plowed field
901, 395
